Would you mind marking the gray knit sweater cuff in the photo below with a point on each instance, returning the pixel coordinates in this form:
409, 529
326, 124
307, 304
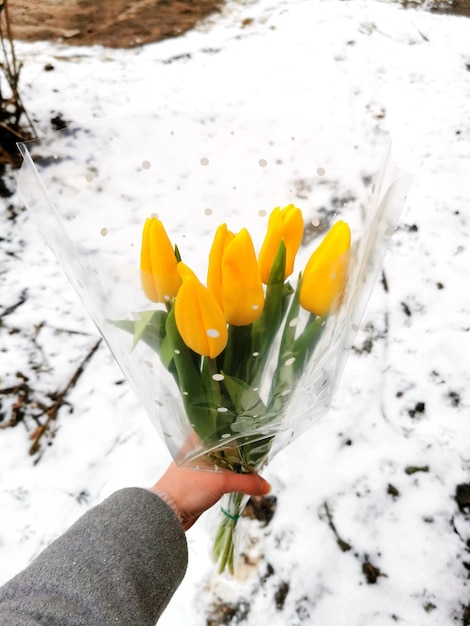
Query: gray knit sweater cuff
118, 564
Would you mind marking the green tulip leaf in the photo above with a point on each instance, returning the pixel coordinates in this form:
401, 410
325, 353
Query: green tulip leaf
246, 400
149, 328
305, 344
290, 325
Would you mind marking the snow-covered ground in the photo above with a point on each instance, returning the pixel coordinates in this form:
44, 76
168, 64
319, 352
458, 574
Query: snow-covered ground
367, 528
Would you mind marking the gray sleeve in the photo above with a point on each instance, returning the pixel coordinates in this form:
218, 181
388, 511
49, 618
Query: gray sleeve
118, 564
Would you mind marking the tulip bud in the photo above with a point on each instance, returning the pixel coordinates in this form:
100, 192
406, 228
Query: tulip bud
233, 277
199, 319
284, 224
158, 263
324, 276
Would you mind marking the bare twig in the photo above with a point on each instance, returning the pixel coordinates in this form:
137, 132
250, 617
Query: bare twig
344, 545
52, 411
13, 307
12, 108
21, 391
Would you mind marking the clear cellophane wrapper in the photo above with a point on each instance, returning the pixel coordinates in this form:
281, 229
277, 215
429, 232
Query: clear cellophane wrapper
90, 190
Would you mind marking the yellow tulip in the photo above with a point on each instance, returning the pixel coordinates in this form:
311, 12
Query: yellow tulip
233, 277
325, 273
284, 224
158, 263
199, 319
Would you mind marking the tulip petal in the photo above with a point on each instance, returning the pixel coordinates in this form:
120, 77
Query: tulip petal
325, 273
284, 224
146, 265
242, 289
158, 263
199, 319
222, 238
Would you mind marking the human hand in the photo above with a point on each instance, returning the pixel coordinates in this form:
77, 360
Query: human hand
195, 491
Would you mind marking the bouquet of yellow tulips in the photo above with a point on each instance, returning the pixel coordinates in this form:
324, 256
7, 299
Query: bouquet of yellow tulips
235, 357
237, 346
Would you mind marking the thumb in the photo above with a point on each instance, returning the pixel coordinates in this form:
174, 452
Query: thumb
251, 484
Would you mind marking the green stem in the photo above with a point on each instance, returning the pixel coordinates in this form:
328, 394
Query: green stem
209, 370
193, 391
226, 548
237, 350
265, 328
224, 543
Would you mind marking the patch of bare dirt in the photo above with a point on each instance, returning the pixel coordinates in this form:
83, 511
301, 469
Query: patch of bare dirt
455, 7
130, 23
112, 23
